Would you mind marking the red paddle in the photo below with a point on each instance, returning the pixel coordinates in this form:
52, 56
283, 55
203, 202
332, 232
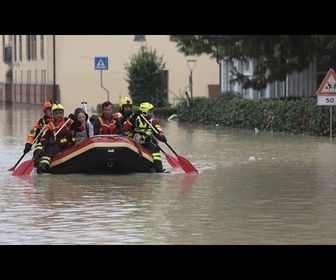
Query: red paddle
183, 162
27, 166
38, 135
171, 160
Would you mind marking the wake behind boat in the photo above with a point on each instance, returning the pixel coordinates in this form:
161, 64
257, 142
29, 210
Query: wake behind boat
113, 153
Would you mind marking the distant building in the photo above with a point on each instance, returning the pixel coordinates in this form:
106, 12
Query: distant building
303, 84
37, 68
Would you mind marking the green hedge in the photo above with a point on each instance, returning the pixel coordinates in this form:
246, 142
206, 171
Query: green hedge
289, 115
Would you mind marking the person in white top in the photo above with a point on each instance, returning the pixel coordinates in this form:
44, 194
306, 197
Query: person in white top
88, 131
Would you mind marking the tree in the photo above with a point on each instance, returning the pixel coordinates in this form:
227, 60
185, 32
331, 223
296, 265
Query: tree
145, 77
276, 55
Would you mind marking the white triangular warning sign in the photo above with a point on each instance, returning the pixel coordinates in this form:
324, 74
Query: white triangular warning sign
328, 86
100, 64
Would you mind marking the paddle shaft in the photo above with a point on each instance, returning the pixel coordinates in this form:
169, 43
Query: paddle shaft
63, 125
60, 128
36, 138
26, 167
143, 117
184, 163
84, 105
172, 149
55, 134
13, 168
171, 160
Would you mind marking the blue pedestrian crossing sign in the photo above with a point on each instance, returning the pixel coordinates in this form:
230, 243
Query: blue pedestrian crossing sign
101, 63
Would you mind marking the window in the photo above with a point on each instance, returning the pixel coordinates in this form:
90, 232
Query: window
246, 66
7, 54
140, 38
28, 47
20, 47
279, 89
15, 46
42, 47
7, 49
262, 94
33, 47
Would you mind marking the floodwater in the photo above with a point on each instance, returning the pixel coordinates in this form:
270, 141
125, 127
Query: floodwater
252, 188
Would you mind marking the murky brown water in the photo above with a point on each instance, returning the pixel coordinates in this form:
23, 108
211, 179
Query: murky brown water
251, 188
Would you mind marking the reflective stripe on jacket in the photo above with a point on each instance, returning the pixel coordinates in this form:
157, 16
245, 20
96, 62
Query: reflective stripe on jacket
108, 128
64, 138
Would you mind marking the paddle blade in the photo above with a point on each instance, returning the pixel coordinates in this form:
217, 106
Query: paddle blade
172, 161
186, 165
11, 169
25, 168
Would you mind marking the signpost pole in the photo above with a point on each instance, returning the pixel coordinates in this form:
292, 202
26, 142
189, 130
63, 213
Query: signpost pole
331, 109
101, 84
101, 63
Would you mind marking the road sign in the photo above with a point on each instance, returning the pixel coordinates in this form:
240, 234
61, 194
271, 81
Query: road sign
101, 63
328, 86
326, 93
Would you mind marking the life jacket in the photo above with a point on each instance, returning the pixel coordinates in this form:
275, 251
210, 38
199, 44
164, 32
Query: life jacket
108, 128
144, 130
65, 137
37, 128
122, 116
44, 121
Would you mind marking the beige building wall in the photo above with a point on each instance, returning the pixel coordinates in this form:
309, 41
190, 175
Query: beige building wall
5, 41
79, 81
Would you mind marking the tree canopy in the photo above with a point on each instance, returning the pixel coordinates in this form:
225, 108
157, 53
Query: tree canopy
275, 55
145, 77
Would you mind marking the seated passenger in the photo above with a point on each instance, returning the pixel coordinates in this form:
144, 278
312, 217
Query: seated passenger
88, 130
107, 122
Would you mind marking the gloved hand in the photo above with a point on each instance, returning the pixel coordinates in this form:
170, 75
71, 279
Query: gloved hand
127, 115
72, 116
163, 138
27, 148
137, 113
46, 143
134, 116
154, 140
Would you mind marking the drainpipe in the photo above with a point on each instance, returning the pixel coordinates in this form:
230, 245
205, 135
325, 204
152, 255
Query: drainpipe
220, 76
54, 71
220, 70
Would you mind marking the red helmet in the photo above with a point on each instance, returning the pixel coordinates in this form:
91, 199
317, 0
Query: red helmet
47, 105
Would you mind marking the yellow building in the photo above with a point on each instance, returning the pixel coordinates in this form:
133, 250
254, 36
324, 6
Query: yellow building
68, 68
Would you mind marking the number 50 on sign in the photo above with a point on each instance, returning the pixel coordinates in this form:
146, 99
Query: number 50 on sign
326, 100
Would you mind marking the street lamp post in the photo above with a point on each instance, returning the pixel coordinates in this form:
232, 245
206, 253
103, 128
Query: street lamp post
191, 65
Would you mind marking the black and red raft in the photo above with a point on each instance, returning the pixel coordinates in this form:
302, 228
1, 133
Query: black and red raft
112, 153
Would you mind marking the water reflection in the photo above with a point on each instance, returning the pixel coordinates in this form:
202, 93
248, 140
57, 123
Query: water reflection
263, 188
